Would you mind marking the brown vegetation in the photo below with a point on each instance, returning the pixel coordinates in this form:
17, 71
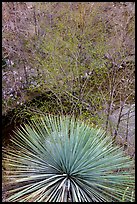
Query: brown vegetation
82, 53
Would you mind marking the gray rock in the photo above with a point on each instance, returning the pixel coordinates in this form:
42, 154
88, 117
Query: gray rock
127, 121
126, 129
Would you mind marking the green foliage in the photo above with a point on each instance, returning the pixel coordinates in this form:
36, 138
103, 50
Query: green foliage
61, 43
64, 41
70, 48
57, 159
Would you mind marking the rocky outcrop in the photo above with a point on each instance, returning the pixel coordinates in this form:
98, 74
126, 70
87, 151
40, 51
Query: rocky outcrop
126, 128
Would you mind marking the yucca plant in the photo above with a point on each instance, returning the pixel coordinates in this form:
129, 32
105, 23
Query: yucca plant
61, 159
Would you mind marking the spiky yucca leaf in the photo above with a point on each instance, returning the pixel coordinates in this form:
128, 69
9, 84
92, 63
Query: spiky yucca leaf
57, 159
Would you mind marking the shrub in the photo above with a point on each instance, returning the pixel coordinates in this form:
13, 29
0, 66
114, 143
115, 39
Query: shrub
60, 158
